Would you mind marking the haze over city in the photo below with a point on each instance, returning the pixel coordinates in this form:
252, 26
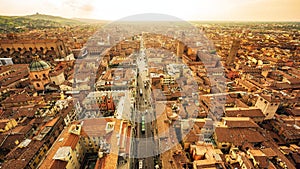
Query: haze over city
195, 84
220, 10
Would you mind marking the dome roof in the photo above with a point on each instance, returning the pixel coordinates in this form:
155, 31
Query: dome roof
38, 65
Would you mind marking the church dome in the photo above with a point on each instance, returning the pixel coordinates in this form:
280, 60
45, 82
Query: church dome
38, 65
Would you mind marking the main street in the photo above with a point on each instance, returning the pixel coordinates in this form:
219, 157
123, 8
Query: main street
145, 145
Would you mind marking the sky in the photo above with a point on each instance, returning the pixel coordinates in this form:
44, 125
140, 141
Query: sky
220, 10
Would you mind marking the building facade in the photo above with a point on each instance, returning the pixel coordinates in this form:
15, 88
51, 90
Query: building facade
23, 51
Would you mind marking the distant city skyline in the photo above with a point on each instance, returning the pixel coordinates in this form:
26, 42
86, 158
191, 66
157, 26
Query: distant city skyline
202, 10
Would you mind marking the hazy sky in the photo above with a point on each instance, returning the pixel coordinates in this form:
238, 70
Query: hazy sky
248, 10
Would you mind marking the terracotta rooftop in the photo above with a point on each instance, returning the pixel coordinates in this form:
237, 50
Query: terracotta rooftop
244, 134
23, 41
21, 129
25, 111
52, 122
57, 164
94, 127
239, 122
9, 141
20, 157
65, 138
72, 141
162, 120
244, 113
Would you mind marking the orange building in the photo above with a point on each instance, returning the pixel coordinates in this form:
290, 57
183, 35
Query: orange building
22, 51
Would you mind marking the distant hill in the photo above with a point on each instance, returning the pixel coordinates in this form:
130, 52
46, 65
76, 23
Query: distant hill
90, 21
57, 19
36, 21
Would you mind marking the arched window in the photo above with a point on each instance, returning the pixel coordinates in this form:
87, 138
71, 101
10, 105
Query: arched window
44, 75
36, 76
8, 49
41, 48
38, 85
52, 48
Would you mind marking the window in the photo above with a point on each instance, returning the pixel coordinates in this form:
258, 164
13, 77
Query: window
38, 85
44, 75
52, 48
30, 49
36, 76
8, 49
41, 48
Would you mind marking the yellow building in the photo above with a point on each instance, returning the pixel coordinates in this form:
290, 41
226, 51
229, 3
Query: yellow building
7, 124
67, 152
68, 155
106, 137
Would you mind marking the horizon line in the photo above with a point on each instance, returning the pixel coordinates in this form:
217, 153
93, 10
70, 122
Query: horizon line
189, 20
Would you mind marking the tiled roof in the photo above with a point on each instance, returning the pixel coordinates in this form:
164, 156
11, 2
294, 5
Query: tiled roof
244, 113
20, 157
238, 136
9, 141
25, 41
94, 127
72, 141
269, 152
58, 164
239, 122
